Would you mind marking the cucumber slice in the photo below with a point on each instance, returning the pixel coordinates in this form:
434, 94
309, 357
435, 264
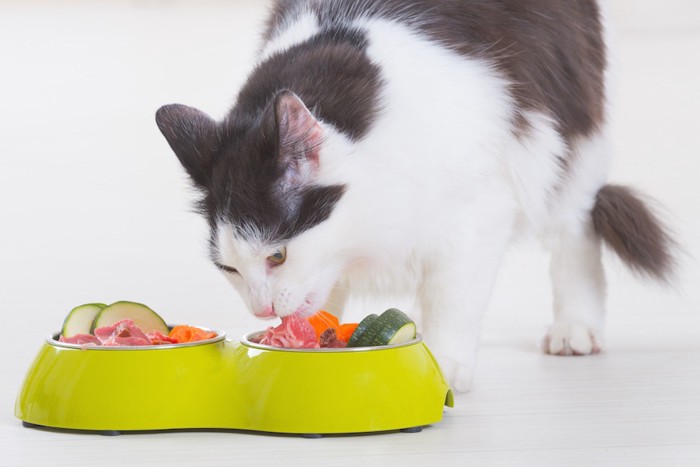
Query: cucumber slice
146, 319
80, 318
391, 327
406, 333
369, 336
360, 330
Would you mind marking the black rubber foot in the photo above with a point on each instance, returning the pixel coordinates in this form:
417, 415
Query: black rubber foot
312, 436
413, 429
29, 425
110, 433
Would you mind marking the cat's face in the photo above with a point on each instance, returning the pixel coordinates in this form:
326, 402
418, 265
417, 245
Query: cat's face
269, 210
279, 278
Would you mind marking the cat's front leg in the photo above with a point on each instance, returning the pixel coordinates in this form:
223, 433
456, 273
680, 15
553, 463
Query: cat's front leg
335, 303
455, 293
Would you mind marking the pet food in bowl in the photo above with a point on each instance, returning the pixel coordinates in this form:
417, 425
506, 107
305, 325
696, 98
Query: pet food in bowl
124, 324
323, 330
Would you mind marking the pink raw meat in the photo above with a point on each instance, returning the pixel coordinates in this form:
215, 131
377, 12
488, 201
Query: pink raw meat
81, 339
158, 338
295, 332
122, 333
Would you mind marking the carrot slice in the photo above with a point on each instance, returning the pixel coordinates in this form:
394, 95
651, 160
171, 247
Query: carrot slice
190, 334
322, 321
346, 331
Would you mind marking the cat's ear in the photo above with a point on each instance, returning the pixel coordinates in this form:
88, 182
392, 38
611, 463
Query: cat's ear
192, 135
300, 138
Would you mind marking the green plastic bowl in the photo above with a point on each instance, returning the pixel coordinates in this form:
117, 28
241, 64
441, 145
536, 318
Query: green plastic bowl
221, 384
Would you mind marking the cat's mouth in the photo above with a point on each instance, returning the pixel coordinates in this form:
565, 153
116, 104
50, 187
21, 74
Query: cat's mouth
267, 313
305, 309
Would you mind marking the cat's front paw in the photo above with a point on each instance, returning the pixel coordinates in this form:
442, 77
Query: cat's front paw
459, 376
571, 338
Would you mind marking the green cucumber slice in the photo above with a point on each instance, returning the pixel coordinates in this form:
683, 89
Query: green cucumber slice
360, 330
394, 327
406, 333
391, 327
146, 319
80, 318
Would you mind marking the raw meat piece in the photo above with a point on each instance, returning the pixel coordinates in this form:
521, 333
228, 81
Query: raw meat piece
81, 339
329, 339
295, 332
122, 333
158, 338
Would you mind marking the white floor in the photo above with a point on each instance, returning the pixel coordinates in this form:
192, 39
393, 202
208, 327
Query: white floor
94, 207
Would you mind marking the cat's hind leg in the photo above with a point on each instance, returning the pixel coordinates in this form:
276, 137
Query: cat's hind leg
576, 269
578, 285
587, 213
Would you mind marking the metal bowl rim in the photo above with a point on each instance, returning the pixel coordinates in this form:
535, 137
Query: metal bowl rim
52, 339
245, 340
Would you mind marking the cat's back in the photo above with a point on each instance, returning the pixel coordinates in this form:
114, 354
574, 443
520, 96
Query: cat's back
551, 52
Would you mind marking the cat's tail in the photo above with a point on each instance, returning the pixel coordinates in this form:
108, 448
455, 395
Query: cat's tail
628, 226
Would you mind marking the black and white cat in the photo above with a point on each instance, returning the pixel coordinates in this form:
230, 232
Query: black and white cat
399, 146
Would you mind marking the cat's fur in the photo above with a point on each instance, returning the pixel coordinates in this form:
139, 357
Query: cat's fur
399, 146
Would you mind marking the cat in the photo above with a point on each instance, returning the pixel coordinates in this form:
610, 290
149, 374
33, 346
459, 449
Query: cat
399, 146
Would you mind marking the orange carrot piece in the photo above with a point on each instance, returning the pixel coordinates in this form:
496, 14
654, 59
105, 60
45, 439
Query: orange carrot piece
346, 331
190, 334
206, 335
322, 321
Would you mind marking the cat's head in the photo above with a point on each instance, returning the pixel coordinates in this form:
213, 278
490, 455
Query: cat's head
268, 197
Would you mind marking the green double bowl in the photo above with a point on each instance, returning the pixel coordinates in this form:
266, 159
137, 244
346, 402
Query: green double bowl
236, 385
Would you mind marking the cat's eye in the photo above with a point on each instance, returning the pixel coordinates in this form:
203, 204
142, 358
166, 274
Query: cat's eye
225, 268
278, 257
